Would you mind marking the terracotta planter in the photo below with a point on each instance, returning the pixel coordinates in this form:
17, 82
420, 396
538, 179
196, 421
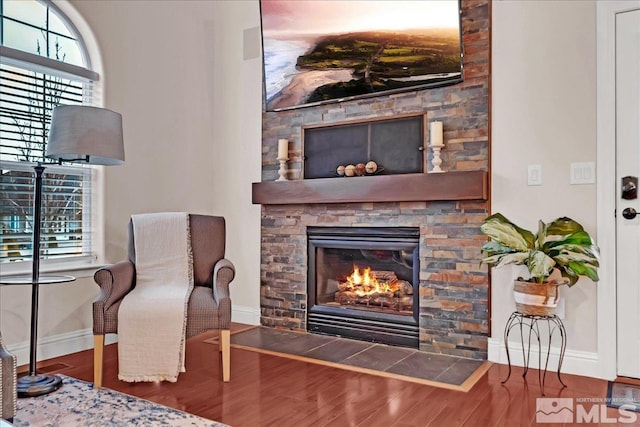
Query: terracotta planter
537, 299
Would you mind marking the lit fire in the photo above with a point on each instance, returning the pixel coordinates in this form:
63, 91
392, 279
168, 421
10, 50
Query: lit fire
366, 284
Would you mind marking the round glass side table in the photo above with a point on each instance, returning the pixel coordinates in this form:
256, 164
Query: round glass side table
34, 384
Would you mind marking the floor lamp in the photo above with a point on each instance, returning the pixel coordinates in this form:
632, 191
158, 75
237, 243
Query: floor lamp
78, 133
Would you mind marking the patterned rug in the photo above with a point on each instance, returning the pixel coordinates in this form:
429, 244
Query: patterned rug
77, 404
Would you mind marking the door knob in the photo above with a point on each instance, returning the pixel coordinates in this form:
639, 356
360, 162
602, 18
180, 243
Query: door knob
629, 213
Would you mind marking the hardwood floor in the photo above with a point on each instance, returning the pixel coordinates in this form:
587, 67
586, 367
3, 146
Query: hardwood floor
267, 390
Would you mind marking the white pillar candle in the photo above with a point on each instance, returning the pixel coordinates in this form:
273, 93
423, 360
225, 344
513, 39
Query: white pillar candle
283, 149
436, 134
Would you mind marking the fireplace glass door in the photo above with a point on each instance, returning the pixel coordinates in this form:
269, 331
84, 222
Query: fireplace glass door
362, 283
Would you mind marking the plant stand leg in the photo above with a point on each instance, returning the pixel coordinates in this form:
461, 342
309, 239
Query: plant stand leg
507, 329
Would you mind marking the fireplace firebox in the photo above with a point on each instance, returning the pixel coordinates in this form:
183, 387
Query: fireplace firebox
362, 283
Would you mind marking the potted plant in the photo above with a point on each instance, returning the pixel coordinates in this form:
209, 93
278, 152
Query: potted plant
561, 245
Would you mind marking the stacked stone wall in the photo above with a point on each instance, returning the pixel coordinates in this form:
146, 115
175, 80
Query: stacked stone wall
454, 294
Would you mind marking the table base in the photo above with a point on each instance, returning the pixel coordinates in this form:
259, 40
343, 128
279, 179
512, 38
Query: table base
37, 385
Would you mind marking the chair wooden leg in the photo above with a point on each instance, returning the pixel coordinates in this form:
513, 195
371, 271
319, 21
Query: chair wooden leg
225, 348
98, 355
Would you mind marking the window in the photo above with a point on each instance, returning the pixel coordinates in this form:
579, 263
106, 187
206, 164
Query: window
43, 63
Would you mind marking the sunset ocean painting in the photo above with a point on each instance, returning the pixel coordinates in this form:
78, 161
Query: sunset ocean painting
326, 50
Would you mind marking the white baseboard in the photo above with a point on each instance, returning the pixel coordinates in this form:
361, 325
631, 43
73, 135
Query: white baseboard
72, 342
575, 362
247, 315
57, 345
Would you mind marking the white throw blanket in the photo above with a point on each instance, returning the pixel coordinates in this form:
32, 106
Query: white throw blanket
152, 318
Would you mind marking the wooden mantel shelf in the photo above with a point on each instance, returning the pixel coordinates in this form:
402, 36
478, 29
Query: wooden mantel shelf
459, 185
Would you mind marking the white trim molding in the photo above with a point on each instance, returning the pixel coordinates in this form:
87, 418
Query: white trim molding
57, 345
606, 183
575, 362
246, 315
80, 340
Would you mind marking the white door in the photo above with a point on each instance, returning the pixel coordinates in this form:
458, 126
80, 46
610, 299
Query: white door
627, 147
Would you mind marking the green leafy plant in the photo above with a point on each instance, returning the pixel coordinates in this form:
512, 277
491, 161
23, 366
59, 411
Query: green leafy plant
562, 244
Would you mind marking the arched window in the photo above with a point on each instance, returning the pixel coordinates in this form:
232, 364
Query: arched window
43, 63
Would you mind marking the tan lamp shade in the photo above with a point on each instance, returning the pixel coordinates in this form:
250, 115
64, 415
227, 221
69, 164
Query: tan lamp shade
80, 133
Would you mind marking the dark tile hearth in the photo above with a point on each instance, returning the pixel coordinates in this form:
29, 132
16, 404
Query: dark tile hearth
389, 360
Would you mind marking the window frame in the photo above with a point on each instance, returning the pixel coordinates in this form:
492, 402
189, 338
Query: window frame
93, 175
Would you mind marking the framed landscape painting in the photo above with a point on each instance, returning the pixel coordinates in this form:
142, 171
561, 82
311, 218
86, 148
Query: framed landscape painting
317, 51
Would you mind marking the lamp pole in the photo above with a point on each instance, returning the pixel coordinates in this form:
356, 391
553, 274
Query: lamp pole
35, 270
34, 384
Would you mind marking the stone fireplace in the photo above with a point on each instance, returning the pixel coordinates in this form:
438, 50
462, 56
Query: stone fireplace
449, 311
452, 294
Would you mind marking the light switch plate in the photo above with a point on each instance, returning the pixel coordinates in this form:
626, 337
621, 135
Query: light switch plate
534, 175
582, 173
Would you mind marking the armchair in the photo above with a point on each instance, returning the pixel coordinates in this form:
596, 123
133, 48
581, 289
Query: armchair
8, 384
209, 305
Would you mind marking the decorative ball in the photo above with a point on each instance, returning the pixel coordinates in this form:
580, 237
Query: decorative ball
371, 167
340, 170
360, 169
350, 170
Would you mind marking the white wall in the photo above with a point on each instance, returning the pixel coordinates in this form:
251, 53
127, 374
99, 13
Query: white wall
544, 112
237, 123
192, 111
191, 106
